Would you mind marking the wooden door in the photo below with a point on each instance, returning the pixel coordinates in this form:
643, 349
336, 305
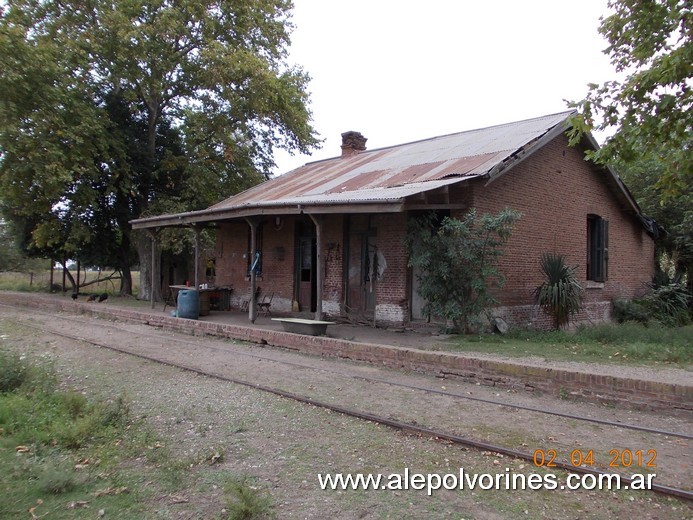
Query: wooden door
305, 273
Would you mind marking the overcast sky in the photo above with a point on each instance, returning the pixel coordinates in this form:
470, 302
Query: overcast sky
404, 70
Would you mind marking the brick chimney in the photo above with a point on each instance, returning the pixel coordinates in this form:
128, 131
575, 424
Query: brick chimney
352, 143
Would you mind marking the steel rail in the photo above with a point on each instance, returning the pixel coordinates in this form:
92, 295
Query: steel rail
398, 425
556, 413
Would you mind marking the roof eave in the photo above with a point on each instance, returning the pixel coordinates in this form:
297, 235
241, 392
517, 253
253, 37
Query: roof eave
630, 201
527, 151
226, 214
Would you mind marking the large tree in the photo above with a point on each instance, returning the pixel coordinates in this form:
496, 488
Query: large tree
114, 110
675, 216
651, 109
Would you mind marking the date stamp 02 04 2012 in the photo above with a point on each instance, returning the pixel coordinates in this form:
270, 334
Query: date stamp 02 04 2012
617, 458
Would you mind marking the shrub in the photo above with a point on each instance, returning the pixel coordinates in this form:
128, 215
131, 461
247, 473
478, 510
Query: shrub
631, 310
560, 294
57, 478
13, 372
91, 421
246, 502
455, 261
74, 403
669, 303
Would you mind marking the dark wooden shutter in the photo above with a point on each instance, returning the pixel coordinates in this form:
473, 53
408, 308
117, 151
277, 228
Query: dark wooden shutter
599, 244
604, 233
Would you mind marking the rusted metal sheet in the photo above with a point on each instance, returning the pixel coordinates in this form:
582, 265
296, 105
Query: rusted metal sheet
380, 174
386, 177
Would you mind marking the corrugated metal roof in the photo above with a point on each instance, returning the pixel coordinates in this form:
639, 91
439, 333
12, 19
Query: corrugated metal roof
396, 172
386, 175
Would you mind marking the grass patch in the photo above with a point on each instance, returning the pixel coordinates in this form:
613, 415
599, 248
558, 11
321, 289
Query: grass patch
607, 342
39, 281
56, 447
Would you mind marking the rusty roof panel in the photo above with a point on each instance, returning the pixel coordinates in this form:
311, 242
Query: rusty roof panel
390, 173
393, 194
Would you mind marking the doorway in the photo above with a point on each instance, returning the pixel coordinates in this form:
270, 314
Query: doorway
361, 256
306, 264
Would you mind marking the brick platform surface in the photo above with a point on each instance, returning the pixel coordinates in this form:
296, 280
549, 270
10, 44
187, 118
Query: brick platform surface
579, 384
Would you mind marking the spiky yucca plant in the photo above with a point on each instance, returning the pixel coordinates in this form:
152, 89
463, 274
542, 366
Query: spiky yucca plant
560, 294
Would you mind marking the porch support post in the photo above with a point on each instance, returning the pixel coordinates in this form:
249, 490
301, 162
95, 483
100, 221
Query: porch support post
252, 305
196, 229
318, 220
152, 234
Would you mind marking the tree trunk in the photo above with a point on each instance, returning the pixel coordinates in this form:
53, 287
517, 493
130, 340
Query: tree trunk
124, 259
143, 243
125, 281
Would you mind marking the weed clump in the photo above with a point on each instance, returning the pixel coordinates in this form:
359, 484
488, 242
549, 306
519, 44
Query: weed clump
13, 371
247, 502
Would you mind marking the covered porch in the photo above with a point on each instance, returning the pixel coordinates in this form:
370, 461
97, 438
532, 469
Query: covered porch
317, 263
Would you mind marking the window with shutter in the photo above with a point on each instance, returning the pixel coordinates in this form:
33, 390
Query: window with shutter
597, 248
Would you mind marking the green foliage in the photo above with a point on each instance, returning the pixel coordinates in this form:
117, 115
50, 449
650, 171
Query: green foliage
57, 477
247, 502
560, 295
456, 261
652, 110
12, 258
631, 310
606, 342
675, 216
13, 372
33, 411
124, 109
669, 303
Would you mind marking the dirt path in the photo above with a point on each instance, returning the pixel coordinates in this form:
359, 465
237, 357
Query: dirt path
285, 444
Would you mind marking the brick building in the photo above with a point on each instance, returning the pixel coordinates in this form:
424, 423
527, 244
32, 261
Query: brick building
328, 237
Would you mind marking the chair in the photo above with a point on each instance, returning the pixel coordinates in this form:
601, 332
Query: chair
264, 305
246, 302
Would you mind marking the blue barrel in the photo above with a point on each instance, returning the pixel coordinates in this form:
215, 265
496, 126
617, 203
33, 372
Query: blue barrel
188, 304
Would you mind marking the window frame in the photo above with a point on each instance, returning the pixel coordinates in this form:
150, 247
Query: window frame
597, 248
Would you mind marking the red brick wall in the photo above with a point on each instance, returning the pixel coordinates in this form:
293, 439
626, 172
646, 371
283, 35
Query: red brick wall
277, 261
333, 263
391, 296
555, 190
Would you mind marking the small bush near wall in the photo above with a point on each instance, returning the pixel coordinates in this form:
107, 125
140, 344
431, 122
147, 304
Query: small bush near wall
631, 310
668, 304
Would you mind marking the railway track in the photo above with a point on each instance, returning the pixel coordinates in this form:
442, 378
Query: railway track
627, 426
402, 425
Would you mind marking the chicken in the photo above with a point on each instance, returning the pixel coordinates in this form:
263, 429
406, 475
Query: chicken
91, 298
74, 296
103, 297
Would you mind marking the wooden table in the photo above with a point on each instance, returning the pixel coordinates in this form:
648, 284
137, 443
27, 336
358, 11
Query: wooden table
204, 296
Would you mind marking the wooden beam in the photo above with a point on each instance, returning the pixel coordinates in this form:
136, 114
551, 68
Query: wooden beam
152, 234
197, 231
252, 304
318, 220
412, 207
204, 216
